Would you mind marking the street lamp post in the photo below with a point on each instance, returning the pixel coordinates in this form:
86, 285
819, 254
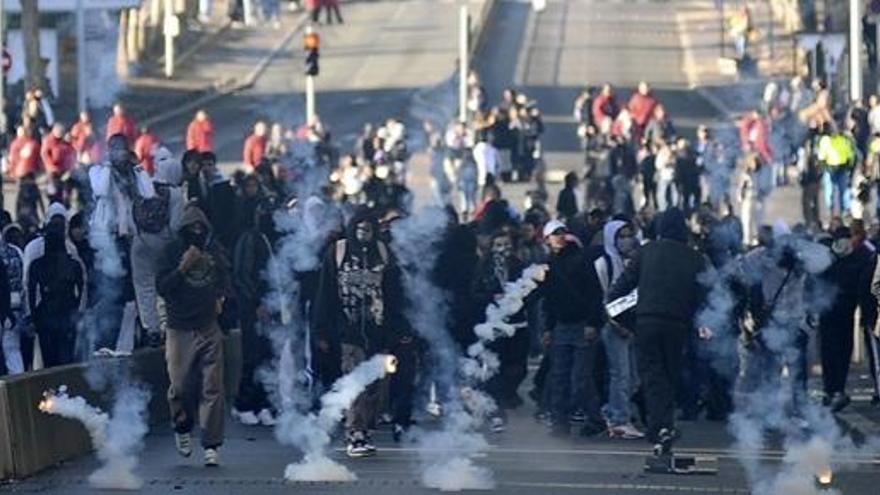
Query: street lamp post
312, 45
463, 62
80, 56
855, 50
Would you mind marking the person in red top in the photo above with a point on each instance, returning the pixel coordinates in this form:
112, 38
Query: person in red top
255, 147
641, 107
605, 108
82, 133
58, 155
200, 133
24, 154
144, 147
754, 136
121, 123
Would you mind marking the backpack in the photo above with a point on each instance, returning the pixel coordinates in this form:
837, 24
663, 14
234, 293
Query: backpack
152, 215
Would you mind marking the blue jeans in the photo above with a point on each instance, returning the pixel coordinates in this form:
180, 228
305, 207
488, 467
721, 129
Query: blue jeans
837, 180
621, 378
573, 359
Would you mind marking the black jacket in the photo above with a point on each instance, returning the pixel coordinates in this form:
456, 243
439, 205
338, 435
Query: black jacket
571, 291
191, 298
665, 272
566, 204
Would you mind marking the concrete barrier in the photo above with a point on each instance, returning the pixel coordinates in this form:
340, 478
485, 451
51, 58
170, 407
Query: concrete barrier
31, 441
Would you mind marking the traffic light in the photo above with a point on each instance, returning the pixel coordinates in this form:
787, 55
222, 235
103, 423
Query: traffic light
312, 42
312, 68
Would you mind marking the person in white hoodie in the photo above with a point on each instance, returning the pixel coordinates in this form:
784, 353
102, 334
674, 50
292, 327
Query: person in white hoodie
620, 244
156, 220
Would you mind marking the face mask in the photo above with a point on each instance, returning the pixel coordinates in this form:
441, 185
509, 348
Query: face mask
626, 245
842, 247
198, 239
363, 233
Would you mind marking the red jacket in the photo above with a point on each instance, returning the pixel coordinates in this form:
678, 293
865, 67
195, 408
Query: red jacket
143, 148
80, 135
641, 107
200, 136
754, 135
122, 125
604, 106
24, 156
58, 155
254, 150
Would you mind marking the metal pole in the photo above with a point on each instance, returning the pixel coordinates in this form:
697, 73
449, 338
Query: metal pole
80, 56
310, 99
877, 50
169, 38
855, 50
462, 62
723, 31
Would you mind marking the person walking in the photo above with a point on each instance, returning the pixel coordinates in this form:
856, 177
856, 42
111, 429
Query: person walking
193, 280
255, 147
200, 133
665, 274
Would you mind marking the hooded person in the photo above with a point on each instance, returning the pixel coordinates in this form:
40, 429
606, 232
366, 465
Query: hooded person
497, 268
11, 326
157, 219
251, 257
193, 280
359, 304
55, 288
664, 273
619, 246
849, 277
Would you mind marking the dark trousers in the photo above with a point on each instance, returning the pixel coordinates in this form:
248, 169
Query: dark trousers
513, 353
573, 359
256, 351
871, 342
810, 203
57, 339
402, 385
836, 339
761, 371
660, 346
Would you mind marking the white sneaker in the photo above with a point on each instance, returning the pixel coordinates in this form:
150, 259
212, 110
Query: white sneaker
625, 432
267, 418
212, 458
248, 418
183, 443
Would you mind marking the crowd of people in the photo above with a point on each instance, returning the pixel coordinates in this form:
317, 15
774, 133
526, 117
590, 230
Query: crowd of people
116, 243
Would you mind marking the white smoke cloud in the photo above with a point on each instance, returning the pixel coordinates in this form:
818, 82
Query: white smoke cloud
117, 439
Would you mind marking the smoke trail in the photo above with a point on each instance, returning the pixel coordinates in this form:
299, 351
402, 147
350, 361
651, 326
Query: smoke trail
312, 433
117, 439
764, 402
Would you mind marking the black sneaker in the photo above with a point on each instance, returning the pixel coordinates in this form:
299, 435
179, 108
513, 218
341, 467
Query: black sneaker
578, 416
369, 445
357, 445
839, 402
397, 431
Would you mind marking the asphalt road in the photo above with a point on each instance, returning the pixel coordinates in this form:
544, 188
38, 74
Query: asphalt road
373, 67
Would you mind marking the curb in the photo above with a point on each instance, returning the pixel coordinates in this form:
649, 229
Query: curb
224, 88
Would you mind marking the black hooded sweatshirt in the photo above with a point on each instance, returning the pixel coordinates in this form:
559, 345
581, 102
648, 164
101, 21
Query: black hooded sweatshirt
191, 298
571, 291
360, 296
665, 272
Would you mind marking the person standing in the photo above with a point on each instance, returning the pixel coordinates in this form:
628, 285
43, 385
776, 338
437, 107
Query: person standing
200, 133
11, 328
255, 147
55, 285
619, 247
156, 219
574, 314
193, 280
143, 149
665, 274
358, 303
121, 123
